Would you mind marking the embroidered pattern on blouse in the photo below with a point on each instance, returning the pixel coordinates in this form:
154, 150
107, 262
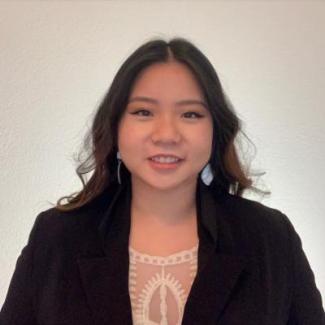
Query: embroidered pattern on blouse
161, 283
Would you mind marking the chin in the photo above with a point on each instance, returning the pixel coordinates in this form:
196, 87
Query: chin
168, 185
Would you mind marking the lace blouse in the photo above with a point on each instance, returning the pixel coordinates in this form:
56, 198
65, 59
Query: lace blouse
159, 286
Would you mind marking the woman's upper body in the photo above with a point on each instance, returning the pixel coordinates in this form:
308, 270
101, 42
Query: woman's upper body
167, 120
251, 267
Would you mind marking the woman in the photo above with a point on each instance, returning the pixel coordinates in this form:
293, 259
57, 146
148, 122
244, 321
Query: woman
155, 237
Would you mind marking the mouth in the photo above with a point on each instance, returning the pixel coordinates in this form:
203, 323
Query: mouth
165, 161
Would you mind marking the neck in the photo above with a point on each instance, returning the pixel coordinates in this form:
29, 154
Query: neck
168, 208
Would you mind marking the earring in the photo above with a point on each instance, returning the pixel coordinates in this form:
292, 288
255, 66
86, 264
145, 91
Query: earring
118, 156
207, 175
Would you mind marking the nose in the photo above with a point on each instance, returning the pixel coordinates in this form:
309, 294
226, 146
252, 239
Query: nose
165, 131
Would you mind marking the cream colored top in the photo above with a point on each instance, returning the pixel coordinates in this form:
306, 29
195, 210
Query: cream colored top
159, 286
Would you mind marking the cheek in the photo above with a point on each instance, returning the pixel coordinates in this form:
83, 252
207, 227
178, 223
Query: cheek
204, 147
123, 135
130, 139
204, 140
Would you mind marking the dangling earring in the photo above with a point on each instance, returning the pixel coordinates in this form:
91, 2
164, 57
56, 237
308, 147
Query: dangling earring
118, 156
207, 175
233, 188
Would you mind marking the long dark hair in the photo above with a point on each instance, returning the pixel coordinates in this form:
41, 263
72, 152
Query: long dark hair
101, 139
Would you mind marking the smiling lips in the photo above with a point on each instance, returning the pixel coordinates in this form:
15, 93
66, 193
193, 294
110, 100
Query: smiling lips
165, 161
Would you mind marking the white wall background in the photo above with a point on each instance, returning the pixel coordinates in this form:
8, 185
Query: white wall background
58, 58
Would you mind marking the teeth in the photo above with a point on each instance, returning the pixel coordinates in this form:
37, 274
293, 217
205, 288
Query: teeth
165, 160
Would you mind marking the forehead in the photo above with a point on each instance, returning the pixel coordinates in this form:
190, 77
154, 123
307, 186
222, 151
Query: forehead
168, 79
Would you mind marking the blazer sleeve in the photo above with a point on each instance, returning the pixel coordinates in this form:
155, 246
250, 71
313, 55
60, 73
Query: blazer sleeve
306, 304
18, 305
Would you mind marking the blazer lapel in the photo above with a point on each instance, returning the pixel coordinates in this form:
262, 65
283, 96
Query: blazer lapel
219, 265
105, 279
211, 289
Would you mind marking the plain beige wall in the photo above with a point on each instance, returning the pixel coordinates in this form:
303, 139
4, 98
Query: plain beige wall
58, 59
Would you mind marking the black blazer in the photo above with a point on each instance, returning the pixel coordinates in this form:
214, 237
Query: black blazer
251, 267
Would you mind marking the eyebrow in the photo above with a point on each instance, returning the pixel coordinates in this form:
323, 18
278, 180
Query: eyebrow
178, 103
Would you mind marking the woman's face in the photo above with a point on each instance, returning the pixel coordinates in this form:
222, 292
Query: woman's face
165, 119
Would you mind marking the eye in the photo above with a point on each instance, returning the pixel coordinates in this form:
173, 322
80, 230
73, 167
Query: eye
141, 112
192, 115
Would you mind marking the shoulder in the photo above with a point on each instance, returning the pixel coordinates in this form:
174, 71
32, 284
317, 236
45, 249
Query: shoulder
255, 213
53, 222
257, 224
88, 215
55, 232
73, 227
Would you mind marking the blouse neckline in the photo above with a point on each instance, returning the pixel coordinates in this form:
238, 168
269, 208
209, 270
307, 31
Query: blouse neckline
171, 259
